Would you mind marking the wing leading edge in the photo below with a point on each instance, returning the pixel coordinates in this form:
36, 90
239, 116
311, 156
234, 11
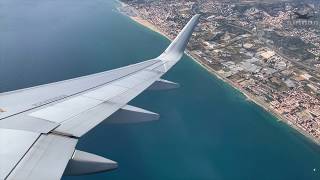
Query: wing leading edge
52, 117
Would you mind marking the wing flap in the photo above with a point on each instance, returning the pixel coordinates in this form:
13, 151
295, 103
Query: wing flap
84, 122
28, 123
13, 146
46, 159
66, 109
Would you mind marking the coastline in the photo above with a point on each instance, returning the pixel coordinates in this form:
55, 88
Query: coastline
147, 24
138, 19
253, 99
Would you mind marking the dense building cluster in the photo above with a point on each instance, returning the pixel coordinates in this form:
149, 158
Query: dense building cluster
262, 49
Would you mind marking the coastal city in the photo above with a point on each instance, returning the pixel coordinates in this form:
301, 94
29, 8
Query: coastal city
269, 50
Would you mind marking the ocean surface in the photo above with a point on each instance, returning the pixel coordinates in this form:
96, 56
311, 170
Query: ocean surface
207, 129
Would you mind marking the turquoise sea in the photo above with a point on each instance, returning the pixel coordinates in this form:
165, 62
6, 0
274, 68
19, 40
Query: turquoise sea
207, 129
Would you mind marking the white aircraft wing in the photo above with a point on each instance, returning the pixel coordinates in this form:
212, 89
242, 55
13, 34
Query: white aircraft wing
40, 126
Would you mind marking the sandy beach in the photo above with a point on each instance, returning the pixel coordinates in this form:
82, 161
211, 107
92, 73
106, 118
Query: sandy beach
147, 24
134, 15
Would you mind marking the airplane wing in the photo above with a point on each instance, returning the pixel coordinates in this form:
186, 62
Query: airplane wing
40, 126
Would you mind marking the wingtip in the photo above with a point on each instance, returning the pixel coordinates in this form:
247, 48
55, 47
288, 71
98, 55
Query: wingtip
196, 18
197, 15
177, 47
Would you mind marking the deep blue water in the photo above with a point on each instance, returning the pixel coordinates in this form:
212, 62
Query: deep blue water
207, 130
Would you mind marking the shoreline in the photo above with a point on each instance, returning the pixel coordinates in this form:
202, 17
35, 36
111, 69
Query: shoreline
250, 98
148, 25
138, 19
254, 100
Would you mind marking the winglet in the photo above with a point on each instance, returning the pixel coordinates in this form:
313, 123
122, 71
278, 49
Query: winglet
176, 49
